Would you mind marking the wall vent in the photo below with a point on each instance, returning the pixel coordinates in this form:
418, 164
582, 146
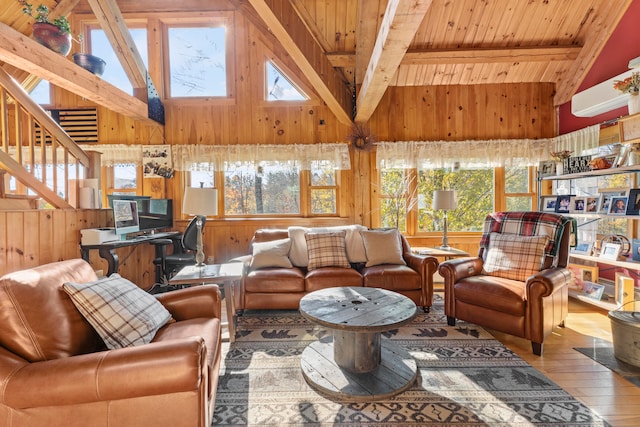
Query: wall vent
80, 124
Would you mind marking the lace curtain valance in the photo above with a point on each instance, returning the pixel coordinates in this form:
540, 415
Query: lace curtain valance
213, 157
482, 154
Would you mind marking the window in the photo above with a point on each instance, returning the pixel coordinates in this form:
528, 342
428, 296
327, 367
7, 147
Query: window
323, 188
520, 194
267, 188
280, 87
197, 61
123, 178
41, 94
113, 72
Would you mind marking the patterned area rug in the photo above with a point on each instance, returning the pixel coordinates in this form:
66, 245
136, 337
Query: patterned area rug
466, 378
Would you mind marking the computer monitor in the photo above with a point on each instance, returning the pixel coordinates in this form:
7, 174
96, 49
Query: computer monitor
155, 214
125, 217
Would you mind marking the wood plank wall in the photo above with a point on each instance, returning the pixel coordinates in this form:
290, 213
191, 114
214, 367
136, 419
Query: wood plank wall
405, 113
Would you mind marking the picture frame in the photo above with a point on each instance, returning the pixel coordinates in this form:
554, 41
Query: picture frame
547, 168
591, 204
563, 203
594, 290
635, 249
624, 289
583, 249
618, 205
548, 203
577, 204
606, 196
583, 274
633, 205
610, 251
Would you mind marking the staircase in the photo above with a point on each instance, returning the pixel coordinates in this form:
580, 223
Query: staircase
45, 162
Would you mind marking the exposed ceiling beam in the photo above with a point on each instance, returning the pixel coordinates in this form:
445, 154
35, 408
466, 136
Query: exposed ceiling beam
313, 63
63, 8
567, 84
472, 56
28, 55
112, 22
399, 25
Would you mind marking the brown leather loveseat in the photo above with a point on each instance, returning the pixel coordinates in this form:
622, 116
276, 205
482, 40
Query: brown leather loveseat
56, 371
282, 287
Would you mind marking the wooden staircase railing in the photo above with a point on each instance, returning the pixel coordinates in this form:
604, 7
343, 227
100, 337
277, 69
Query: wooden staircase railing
36, 151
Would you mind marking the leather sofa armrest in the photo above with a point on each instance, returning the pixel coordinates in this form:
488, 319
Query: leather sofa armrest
192, 302
459, 268
152, 369
547, 282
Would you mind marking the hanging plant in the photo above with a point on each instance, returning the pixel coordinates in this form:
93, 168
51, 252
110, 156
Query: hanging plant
360, 137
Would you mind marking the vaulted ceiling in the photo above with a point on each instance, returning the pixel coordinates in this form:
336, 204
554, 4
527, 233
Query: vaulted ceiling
374, 44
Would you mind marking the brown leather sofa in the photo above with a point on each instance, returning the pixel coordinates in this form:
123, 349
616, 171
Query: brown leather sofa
55, 370
282, 288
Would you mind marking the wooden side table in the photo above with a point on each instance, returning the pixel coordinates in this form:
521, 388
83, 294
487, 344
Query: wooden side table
225, 274
442, 253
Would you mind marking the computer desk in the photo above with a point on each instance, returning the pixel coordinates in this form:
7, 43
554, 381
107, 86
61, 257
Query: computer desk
107, 250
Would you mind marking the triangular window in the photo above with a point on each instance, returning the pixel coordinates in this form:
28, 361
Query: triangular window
280, 87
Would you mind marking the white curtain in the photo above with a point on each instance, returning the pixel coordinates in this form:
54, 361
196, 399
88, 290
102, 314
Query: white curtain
482, 153
199, 157
117, 154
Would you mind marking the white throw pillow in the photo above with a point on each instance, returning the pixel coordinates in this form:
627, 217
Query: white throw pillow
382, 247
123, 314
512, 256
274, 253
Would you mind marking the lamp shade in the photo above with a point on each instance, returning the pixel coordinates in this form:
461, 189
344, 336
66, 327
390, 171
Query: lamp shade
200, 201
445, 200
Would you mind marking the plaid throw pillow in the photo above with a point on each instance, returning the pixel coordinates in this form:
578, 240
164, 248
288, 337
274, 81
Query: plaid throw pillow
327, 250
122, 313
514, 257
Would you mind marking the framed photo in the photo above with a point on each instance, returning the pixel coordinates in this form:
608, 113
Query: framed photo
635, 249
547, 168
582, 275
563, 203
548, 203
624, 289
618, 206
591, 204
583, 249
610, 251
577, 204
594, 290
606, 196
633, 205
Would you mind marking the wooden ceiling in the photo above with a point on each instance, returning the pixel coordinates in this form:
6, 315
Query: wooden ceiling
379, 43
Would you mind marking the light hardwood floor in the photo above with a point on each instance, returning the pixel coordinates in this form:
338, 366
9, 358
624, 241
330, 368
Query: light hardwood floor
607, 393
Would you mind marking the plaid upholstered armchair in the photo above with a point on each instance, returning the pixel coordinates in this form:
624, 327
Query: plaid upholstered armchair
518, 284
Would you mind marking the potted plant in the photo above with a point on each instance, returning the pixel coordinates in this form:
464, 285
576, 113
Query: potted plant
56, 34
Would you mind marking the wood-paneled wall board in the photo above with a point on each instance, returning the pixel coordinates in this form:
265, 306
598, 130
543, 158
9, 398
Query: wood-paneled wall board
31, 245
4, 243
15, 240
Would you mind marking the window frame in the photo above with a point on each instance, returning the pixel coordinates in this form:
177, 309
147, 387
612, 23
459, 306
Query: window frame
209, 19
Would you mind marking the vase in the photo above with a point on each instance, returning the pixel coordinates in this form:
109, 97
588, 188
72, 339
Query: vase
634, 103
559, 168
52, 37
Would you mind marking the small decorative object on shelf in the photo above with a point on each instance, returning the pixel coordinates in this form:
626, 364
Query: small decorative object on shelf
576, 164
559, 157
630, 85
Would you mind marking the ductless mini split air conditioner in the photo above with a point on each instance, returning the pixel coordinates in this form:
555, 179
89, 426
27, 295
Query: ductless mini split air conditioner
600, 98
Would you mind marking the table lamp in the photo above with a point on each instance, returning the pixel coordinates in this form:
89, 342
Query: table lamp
445, 200
200, 201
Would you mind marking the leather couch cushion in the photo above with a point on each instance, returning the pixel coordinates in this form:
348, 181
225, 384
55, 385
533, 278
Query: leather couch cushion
43, 321
514, 257
277, 280
326, 250
329, 277
391, 277
495, 293
207, 328
121, 312
271, 254
382, 247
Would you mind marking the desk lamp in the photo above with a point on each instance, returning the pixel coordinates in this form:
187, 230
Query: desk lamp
200, 201
445, 200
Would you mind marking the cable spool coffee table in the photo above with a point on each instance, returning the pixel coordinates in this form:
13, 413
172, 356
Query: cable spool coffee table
358, 364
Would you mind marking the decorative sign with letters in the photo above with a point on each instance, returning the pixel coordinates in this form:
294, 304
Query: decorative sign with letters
576, 164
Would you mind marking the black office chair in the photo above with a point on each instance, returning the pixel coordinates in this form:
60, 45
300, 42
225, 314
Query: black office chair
184, 252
